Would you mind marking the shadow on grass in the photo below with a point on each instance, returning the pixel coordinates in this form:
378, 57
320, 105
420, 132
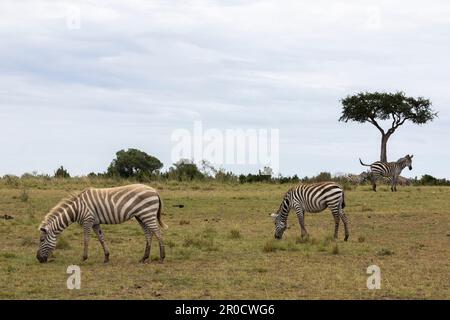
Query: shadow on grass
306, 244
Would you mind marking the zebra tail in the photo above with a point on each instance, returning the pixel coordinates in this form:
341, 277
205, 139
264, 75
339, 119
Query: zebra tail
343, 200
162, 224
367, 165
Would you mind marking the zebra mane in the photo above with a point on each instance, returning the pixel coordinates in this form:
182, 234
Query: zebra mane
54, 211
284, 199
402, 160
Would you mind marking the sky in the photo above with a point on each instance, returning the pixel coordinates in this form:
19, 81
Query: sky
81, 80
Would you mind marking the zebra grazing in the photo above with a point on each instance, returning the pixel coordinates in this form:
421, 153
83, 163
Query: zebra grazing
312, 198
390, 170
356, 179
93, 207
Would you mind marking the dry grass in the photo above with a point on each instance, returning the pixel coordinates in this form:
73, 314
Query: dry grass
227, 249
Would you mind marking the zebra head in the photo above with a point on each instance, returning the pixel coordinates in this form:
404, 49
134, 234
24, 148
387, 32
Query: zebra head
280, 218
409, 161
280, 226
47, 243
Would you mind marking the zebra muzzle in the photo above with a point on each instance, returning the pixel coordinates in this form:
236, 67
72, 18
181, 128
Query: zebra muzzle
41, 258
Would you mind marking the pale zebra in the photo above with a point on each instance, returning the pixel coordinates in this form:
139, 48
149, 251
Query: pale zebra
390, 170
401, 181
312, 198
93, 207
356, 179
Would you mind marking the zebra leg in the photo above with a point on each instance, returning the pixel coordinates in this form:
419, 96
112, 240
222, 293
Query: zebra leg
162, 252
336, 222
148, 244
373, 179
87, 233
301, 221
101, 238
345, 221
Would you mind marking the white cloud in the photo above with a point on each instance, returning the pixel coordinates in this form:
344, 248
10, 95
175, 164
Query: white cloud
137, 70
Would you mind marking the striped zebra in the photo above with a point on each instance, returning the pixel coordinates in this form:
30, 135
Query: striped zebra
93, 207
312, 198
390, 170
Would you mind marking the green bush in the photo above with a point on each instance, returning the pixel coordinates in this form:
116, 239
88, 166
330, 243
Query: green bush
62, 173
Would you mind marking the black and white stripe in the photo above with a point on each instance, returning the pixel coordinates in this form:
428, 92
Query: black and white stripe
312, 198
94, 207
389, 170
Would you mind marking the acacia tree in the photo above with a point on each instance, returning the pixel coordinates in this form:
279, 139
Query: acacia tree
133, 162
373, 107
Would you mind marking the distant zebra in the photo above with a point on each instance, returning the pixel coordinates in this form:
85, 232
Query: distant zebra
356, 179
93, 207
312, 198
401, 181
390, 170
353, 179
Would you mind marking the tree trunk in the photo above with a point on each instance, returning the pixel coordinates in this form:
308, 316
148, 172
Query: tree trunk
384, 140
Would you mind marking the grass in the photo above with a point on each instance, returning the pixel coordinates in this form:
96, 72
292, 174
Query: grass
385, 252
335, 249
235, 234
29, 241
63, 244
221, 246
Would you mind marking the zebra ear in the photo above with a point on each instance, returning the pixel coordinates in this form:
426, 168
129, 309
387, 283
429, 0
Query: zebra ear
411, 156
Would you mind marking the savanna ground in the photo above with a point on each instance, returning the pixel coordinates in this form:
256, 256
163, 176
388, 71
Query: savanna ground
221, 246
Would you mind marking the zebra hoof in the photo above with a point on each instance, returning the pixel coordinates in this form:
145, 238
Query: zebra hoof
161, 261
144, 260
85, 258
346, 238
106, 260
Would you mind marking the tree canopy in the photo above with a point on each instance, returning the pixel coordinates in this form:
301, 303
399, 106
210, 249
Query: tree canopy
368, 107
373, 107
133, 162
